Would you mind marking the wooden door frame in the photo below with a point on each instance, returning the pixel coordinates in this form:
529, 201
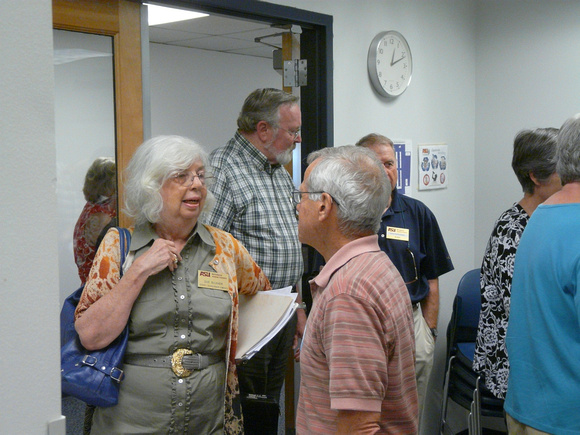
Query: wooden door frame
120, 19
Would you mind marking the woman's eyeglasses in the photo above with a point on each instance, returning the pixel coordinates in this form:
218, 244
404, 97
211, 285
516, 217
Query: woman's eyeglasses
186, 178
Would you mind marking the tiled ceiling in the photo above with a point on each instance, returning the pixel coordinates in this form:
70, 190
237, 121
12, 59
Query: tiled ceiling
216, 33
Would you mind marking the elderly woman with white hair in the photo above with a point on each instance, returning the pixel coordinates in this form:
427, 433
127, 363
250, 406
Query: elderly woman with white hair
179, 367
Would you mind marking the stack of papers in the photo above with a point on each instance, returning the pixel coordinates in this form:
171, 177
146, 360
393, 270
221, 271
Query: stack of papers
261, 317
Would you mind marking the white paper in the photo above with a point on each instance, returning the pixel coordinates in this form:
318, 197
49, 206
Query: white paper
261, 317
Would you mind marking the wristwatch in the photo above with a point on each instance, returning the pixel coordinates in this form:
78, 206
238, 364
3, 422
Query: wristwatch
434, 332
301, 305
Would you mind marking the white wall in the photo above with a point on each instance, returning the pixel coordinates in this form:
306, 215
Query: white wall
29, 308
200, 95
528, 76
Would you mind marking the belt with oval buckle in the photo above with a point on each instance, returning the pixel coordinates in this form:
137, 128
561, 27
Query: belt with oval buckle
183, 362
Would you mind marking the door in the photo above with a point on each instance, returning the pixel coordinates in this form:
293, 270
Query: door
120, 20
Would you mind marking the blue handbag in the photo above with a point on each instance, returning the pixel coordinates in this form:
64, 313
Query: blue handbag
92, 376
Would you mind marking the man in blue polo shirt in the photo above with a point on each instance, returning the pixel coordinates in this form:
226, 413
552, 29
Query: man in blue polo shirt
411, 237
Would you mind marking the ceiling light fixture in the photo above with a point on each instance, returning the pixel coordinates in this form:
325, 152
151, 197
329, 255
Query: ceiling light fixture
163, 15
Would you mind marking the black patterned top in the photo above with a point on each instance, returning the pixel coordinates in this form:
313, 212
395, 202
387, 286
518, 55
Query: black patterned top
497, 269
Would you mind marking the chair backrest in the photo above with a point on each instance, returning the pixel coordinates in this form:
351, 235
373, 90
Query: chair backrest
469, 304
466, 307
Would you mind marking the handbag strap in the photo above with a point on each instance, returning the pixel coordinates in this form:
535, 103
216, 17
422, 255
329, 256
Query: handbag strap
124, 243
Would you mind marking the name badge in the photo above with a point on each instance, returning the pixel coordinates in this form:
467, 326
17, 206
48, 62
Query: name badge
395, 233
212, 280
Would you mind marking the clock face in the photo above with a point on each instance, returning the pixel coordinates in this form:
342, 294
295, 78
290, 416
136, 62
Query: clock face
390, 63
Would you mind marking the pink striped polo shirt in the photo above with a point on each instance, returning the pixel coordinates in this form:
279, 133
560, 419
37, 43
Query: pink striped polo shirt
358, 351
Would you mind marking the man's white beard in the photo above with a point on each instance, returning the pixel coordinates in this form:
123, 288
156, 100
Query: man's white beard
284, 157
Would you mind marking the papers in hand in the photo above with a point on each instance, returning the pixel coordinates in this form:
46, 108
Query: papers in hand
261, 317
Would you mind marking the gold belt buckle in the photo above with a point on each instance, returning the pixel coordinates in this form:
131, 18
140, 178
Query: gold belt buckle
177, 363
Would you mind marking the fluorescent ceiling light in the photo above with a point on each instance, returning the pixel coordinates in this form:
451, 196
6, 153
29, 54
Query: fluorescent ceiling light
162, 15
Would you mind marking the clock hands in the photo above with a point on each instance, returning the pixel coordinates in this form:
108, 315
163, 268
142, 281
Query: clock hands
393, 61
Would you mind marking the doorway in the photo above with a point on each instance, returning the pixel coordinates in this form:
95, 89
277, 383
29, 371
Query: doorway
315, 47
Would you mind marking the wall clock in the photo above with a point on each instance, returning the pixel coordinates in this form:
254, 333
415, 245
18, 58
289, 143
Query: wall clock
390, 64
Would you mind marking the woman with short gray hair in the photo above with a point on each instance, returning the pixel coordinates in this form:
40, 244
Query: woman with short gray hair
534, 164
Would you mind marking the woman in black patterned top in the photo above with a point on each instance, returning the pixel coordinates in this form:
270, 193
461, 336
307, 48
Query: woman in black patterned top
534, 164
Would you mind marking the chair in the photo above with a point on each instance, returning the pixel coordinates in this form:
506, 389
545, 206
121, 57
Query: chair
462, 385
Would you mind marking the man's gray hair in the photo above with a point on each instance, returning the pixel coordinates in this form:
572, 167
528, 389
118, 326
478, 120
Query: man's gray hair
154, 162
356, 180
568, 151
263, 105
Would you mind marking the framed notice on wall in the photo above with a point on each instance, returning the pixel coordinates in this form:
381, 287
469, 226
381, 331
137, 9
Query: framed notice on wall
433, 166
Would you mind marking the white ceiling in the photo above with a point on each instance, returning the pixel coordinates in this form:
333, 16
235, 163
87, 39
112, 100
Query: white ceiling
218, 33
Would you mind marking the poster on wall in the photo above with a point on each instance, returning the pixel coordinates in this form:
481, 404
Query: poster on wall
432, 164
403, 151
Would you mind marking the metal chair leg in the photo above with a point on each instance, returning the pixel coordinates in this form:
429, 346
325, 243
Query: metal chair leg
477, 399
443, 418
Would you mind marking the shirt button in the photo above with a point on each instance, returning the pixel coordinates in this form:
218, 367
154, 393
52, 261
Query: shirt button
180, 381
215, 262
180, 404
180, 278
183, 336
182, 297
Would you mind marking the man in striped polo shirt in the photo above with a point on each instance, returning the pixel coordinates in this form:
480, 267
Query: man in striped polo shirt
357, 357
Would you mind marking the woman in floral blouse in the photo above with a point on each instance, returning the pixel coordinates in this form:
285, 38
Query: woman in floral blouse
179, 296
534, 164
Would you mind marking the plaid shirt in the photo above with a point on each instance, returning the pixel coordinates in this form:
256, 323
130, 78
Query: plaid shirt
254, 204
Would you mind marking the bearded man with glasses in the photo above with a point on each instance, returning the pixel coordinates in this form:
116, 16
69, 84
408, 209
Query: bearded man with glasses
411, 237
252, 188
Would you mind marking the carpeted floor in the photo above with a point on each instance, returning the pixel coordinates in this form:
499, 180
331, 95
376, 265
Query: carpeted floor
74, 411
